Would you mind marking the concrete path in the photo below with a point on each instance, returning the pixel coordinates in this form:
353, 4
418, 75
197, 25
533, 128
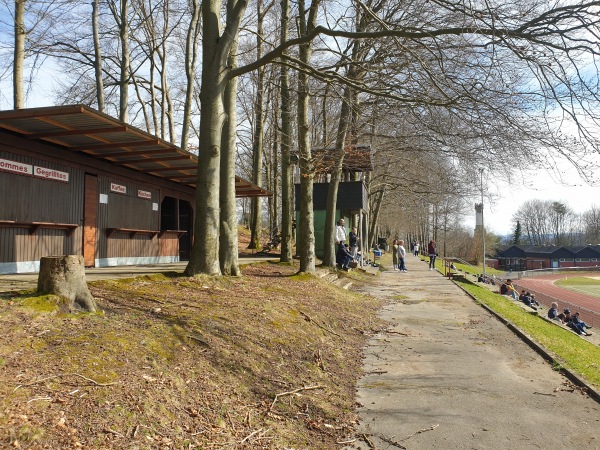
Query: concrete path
448, 375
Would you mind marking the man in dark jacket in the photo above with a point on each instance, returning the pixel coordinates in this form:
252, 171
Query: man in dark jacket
343, 256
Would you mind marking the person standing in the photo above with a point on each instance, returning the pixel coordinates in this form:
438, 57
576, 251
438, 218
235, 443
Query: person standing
340, 232
395, 254
416, 249
432, 252
353, 241
401, 256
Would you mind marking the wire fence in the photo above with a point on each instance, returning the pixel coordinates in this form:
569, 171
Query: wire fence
555, 271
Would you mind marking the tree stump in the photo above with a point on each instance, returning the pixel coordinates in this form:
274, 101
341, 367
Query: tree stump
64, 276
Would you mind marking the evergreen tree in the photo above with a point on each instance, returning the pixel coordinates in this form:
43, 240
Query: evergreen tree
517, 234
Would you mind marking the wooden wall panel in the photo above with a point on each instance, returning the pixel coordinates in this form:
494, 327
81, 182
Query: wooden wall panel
90, 220
35, 199
121, 245
168, 245
17, 244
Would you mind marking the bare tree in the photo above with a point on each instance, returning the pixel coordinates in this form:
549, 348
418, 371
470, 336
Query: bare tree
19, 55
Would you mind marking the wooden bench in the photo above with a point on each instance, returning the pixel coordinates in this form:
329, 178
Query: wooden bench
34, 226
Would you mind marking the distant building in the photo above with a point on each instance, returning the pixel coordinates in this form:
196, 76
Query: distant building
518, 258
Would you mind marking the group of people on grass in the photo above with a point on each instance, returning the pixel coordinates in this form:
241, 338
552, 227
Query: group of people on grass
573, 321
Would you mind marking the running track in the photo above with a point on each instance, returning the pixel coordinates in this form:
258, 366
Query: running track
545, 285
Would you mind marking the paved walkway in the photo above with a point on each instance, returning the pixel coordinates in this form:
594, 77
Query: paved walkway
448, 375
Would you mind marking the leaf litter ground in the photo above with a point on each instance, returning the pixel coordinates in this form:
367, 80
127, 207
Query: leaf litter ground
269, 360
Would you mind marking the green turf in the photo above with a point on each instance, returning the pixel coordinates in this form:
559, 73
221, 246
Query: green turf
585, 285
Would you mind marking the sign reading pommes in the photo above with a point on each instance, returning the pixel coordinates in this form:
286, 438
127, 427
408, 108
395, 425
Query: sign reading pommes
15, 167
37, 171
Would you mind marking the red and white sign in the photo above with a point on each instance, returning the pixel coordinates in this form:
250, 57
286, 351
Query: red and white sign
16, 167
51, 174
144, 194
114, 187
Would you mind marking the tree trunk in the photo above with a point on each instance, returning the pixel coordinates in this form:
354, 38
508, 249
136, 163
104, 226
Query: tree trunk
340, 149
287, 200
374, 216
191, 52
257, 144
124, 78
307, 174
204, 257
228, 245
65, 276
97, 58
19, 55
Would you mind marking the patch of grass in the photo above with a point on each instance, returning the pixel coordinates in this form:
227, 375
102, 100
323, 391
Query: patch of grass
577, 281
585, 285
41, 303
571, 351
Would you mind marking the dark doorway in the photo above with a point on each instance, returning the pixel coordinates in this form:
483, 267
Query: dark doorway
186, 223
178, 215
168, 214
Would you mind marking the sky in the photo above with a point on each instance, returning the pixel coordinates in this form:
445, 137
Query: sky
498, 212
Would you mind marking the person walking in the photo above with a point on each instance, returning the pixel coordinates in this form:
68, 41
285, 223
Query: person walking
432, 251
395, 254
416, 249
401, 256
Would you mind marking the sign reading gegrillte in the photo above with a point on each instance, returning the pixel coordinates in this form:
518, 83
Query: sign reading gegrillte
36, 171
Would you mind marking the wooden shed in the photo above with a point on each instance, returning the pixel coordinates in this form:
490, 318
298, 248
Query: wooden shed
77, 181
352, 202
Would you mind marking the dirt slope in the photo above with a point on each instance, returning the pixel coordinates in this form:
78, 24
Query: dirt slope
269, 360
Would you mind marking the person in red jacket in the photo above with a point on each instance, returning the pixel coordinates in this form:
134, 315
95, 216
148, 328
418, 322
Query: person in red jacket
432, 251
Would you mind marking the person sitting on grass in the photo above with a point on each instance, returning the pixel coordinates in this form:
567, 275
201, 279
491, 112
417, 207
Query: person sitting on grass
578, 325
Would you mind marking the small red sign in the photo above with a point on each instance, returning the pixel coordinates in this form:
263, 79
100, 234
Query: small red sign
144, 194
114, 187
51, 174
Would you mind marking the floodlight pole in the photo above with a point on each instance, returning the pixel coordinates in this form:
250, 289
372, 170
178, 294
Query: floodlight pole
482, 225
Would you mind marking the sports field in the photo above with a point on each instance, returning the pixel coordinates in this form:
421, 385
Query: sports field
585, 285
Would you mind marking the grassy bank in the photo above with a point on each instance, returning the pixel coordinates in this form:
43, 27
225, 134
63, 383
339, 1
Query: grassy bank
572, 352
269, 360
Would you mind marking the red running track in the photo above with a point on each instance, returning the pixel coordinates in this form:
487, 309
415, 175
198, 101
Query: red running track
545, 285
